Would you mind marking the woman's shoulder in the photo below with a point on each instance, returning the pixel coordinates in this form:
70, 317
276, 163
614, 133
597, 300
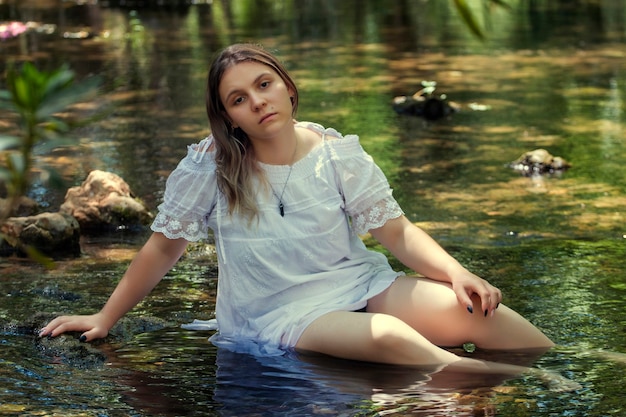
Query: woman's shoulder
200, 156
197, 172
330, 136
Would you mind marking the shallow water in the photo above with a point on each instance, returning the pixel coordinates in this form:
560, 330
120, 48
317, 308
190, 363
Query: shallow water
552, 78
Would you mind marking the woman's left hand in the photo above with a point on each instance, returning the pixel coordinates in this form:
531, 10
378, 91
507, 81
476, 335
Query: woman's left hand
467, 286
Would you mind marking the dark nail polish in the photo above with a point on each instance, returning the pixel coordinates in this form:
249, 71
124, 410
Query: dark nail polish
49, 335
83, 338
470, 309
486, 312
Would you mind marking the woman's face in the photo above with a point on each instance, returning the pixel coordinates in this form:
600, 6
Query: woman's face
256, 99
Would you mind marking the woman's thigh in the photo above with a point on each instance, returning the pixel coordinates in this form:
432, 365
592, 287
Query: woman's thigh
371, 337
433, 310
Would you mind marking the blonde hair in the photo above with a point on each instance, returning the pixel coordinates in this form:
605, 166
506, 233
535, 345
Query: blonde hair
234, 155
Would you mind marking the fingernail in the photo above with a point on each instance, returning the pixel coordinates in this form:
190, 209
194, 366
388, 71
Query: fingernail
486, 312
83, 338
470, 309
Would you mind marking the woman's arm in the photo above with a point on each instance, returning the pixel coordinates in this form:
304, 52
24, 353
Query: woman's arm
418, 251
148, 267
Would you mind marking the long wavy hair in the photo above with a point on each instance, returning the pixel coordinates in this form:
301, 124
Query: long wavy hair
236, 163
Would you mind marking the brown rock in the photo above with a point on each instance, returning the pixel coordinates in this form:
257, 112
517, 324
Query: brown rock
104, 202
539, 162
53, 234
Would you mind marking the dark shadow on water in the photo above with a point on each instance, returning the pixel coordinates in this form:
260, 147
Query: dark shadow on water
209, 381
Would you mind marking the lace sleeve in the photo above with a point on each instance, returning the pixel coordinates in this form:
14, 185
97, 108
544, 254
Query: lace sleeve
366, 192
190, 196
376, 215
191, 230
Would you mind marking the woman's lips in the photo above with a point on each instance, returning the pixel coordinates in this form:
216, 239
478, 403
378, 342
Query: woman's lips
267, 116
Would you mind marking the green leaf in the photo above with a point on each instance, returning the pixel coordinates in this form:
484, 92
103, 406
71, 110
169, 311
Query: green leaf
21, 93
60, 99
47, 145
58, 80
502, 4
468, 17
37, 256
5, 174
16, 163
9, 142
54, 125
6, 100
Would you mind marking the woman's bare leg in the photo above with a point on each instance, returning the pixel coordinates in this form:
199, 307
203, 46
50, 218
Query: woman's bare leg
404, 325
431, 308
408, 322
371, 337
382, 338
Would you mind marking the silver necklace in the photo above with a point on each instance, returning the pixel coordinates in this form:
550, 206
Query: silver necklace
281, 205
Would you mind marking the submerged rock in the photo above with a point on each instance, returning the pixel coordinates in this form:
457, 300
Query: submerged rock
23, 207
431, 108
67, 348
425, 104
539, 162
50, 292
53, 234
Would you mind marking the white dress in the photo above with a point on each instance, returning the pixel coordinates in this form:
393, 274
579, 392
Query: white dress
278, 274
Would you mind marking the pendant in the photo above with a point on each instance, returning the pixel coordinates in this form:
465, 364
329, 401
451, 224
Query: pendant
281, 208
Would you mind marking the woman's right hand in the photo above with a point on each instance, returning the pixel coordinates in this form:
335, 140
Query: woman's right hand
150, 264
93, 326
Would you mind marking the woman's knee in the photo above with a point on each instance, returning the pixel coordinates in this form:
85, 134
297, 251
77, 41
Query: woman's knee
389, 331
397, 342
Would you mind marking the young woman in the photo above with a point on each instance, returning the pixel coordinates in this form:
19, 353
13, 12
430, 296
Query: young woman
286, 201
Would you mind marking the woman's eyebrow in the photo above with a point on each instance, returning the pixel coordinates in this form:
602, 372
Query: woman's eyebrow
256, 80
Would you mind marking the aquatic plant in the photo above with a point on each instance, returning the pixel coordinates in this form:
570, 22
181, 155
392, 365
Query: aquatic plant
35, 99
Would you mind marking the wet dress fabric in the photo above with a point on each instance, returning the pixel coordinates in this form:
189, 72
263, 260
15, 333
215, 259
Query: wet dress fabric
277, 274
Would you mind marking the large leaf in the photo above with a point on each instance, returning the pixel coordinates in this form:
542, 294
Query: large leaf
6, 101
21, 91
9, 142
5, 174
58, 80
52, 125
469, 18
49, 144
58, 100
16, 163
36, 255
502, 4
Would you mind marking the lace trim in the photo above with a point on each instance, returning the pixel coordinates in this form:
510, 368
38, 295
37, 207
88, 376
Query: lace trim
191, 231
377, 215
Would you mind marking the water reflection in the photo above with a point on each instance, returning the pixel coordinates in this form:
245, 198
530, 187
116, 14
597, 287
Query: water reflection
175, 380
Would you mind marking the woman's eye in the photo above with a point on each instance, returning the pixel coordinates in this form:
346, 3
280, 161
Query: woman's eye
238, 100
265, 84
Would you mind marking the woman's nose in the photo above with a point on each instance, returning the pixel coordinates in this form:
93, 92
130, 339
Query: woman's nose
257, 101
